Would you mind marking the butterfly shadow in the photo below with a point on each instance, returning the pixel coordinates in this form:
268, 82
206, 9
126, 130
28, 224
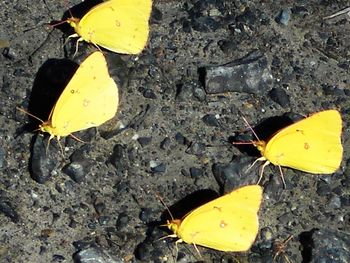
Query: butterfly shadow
264, 130
77, 11
51, 79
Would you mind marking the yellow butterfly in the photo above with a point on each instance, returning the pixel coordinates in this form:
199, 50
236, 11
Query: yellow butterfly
90, 99
228, 223
117, 25
311, 145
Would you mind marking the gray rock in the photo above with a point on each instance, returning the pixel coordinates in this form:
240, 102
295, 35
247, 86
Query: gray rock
250, 74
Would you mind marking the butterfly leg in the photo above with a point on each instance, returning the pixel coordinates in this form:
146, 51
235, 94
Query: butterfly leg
262, 170
77, 46
69, 37
97, 47
199, 253
76, 138
257, 160
282, 176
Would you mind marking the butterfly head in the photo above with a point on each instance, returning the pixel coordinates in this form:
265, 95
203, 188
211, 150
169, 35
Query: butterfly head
174, 225
73, 22
261, 146
47, 127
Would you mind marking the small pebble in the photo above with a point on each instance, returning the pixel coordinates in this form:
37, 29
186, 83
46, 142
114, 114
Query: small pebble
280, 96
160, 168
196, 172
93, 254
284, 17
165, 144
122, 221
143, 141
211, 120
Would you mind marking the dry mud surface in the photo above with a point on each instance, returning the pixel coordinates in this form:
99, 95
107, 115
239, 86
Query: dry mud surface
172, 134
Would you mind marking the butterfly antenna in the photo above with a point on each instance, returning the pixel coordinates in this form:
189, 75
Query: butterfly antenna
66, 6
250, 127
166, 207
57, 24
31, 115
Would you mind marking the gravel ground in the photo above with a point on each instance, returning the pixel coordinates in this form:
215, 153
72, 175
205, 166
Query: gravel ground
172, 133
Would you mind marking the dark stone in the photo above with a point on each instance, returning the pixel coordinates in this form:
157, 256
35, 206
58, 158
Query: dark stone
280, 96
160, 168
118, 156
196, 148
143, 141
284, 17
183, 92
235, 173
143, 251
100, 207
157, 15
146, 215
211, 120
199, 93
345, 200
149, 94
77, 170
83, 243
42, 162
181, 139
7, 209
323, 188
165, 144
122, 221
196, 172
58, 258
72, 223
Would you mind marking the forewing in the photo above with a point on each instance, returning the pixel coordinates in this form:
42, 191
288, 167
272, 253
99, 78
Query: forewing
228, 223
118, 25
312, 145
90, 98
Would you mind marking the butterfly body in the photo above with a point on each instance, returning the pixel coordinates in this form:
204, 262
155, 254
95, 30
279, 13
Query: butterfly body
228, 223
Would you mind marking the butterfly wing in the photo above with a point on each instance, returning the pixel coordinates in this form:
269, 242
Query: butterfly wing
90, 98
228, 223
117, 25
312, 145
